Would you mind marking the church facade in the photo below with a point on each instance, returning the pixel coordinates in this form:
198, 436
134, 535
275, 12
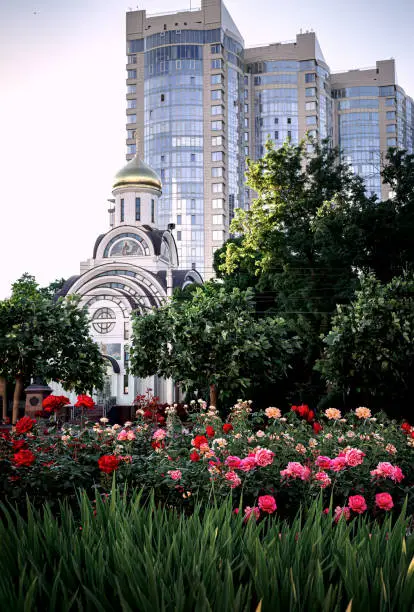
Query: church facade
134, 268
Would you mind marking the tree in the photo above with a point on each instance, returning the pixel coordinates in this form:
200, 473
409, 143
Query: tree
40, 337
212, 340
369, 352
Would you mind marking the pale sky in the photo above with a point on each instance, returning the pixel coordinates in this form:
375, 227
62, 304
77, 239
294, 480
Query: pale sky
62, 106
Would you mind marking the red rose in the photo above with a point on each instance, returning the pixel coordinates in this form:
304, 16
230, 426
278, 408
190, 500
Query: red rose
317, 427
227, 428
24, 458
24, 425
84, 401
194, 456
384, 501
210, 431
310, 416
406, 427
267, 503
19, 444
303, 411
108, 463
54, 402
198, 441
357, 503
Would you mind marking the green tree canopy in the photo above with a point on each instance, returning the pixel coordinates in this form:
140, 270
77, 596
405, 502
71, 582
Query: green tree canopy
369, 352
46, 338
211, 339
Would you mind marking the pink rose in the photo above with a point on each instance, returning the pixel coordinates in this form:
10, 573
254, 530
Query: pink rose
267, 503
338, 464
249, 511
264, 457
122, 435
354, 457
397, 475
247, 464
233, 462
323, 462
339, 512
131, 435
233, 479
357, 503
175, 474
384, 501
295, 469
159, 434
323, 479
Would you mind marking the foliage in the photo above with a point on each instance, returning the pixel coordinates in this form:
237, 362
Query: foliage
251, 455
40, 337
370, 348
309, 234
124, 554
211, 338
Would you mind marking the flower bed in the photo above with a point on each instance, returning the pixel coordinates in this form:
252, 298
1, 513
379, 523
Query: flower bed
274, 462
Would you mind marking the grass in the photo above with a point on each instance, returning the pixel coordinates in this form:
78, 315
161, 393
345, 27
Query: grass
129, 555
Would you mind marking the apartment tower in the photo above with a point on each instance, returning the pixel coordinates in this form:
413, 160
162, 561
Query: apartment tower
199, 103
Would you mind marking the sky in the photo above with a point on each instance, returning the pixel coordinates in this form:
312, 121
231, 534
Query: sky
62, 106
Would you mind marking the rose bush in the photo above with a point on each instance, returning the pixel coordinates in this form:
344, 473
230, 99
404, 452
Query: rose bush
365, 463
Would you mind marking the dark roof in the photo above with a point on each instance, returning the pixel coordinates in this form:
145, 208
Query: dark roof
97, 243
180, 277
155, 235
68, 284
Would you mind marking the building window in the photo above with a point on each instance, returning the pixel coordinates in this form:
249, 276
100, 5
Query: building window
246, 108
126, 330
215, 48
276, 120
217, 156
310, 92
122, 210
311, 120
276, 135
216, 126
131, 118
216, 141
246, 151
389, 101
218, 219
152, 211
217, 109
390, 114
216, 64
246, 123
193, 220
193, 266
391, 127
162, 97
216, 79
391, 142
193, 203
218, 235
218, 187
217, 203
132, 59
289, 134
132, 74
216, 94
216, 172
178, 219
310, 106
131, 134
179, 236
131, 89
131, 104
289, 120
131, 149
246, 136
126, 388
193, 157
126, 355
310, 77
137, 209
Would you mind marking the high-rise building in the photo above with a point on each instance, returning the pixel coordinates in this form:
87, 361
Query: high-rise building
201, 103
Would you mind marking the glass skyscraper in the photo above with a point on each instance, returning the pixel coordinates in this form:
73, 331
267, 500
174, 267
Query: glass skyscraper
201, 103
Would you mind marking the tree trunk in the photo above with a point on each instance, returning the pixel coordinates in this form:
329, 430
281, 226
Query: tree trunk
213, 395
3, 395
18, 389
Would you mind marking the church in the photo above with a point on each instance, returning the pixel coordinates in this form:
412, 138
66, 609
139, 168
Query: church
134, 267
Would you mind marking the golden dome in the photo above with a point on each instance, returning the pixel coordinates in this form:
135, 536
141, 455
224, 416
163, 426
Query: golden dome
137, 173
